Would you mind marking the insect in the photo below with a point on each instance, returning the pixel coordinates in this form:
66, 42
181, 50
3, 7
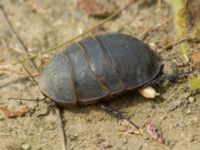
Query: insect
98, 67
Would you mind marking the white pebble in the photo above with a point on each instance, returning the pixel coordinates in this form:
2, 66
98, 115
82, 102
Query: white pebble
26, 146
191, 99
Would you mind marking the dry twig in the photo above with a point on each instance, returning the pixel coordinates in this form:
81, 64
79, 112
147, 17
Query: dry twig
14, 33
179, 40
11, 69
61, 130
144, 35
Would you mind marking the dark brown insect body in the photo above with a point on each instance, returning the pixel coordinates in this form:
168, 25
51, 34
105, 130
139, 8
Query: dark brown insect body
98, 67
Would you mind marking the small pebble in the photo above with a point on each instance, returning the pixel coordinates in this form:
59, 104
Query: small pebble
191, 99
125, 141
73, 137
153, 45
188, 112
26, 147
194, 138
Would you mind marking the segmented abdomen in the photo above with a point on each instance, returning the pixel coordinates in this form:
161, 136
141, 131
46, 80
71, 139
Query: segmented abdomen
99, 66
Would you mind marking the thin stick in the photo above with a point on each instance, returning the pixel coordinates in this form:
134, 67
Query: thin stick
144, 35
14, 33
12, 69
61, 130
18, 39
79, 36
26, 99
30, 75
182, 39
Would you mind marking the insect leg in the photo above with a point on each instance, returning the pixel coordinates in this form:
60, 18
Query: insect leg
118, 114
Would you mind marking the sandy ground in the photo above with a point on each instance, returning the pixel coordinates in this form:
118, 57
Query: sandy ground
42, 24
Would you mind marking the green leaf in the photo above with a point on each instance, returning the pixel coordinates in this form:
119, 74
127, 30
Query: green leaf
195, 83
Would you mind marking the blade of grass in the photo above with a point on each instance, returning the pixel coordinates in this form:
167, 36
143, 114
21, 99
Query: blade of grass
79, 36
180, 16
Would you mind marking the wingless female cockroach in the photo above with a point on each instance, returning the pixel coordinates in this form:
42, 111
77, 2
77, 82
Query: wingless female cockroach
98, 67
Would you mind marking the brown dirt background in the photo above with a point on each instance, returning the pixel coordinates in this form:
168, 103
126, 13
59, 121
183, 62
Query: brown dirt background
43, 24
